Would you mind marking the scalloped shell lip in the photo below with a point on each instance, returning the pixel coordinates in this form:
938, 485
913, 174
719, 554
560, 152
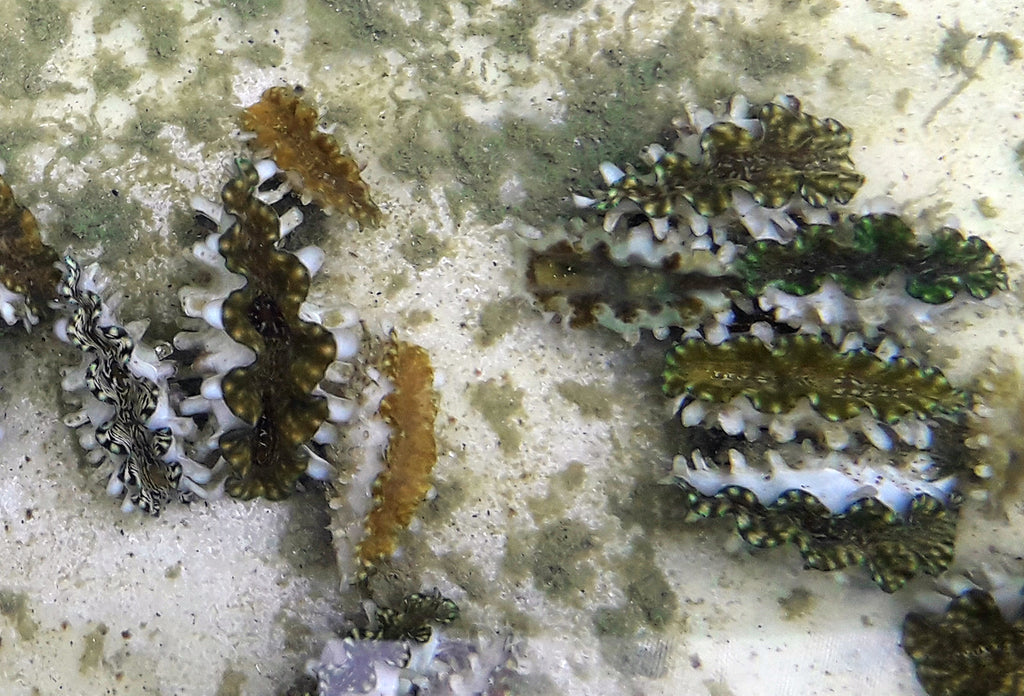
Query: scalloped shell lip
126, 408
919, 542
286, 128
969, 648
839, 385
257, 299
700, 170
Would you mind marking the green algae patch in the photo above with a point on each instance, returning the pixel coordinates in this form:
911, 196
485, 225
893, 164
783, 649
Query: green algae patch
422, 248
414, 319
142, 133
263, 54
501, 405
200, 109
14, 606
766, 53
512, 29
963, 53
252, 8
817, 10
205, 105
629, 633
901, 98
986, 207
232, 683
46, 22
651, 506
398, 574
572, 477
469, 577
202, 121
635, 653
560, 557
651, 595
16, 138
651, 598
718, 687
391, 284
888, 7
306, 543
161, 27
561, 563
342, 22
614, 622
797, 604
453, 492
27, 41
612, 94
112, 75
99, 212
952, 50
524, 166
592, 401
560, 493
498, 318
92, 648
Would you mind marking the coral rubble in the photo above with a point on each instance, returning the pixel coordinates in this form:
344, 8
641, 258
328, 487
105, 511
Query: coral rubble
410, 411
28, 266
970, 649
285, 129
